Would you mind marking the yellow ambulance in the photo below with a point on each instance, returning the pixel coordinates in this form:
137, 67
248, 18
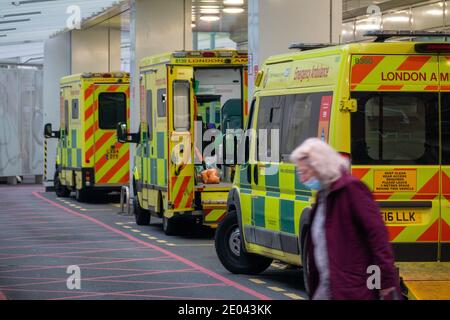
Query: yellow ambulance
89, 158
183, 94
384, 105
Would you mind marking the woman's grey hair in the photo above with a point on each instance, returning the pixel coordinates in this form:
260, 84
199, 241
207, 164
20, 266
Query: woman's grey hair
323, 159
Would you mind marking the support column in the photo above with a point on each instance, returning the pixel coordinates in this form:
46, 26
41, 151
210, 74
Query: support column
274, 25
96, 49
156, 26
57, 64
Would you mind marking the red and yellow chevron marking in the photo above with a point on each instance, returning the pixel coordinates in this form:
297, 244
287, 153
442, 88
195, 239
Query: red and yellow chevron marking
395, 73
99, 142
214, 215
179, 187
428, 186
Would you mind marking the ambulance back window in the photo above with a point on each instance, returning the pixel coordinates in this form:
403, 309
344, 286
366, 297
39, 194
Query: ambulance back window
395, 128
112, 109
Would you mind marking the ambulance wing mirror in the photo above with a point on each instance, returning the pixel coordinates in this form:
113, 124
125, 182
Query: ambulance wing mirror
349, 105
124, 137
49, 133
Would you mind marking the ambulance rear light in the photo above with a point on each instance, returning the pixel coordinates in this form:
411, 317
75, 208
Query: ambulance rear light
347, 156
88, 178
208, 54
433, 47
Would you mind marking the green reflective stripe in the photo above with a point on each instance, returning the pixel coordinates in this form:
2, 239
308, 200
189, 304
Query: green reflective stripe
69, 157
245, 191
74, 139
301, 198
272, 180
78, 158
287, 216
153, 171
259, 212
161, 145
273, 194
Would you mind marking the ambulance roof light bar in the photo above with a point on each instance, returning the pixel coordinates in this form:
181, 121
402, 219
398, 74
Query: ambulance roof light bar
310, 46
382, 36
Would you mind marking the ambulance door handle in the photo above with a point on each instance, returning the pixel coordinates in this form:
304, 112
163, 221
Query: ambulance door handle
255, 173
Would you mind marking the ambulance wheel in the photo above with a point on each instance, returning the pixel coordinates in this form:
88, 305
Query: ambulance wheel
229, 249
305, 262
141, 215
81, 195
169, 226
60, 190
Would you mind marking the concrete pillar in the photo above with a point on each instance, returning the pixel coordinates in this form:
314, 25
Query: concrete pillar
57, 63
96, 49
273, 25
156, 26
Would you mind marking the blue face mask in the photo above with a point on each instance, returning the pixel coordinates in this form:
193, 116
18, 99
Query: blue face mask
313, 184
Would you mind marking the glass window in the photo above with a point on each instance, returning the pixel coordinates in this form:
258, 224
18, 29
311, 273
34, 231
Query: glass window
66, 115
75, 109
445, 123
181, 105
395, 128
149, 106
161, 103
301, 120
269, 119
112, 109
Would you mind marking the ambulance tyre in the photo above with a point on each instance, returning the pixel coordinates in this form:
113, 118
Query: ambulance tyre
305, 258
229, 249
169, 226
81, 195
60, 190
141, 215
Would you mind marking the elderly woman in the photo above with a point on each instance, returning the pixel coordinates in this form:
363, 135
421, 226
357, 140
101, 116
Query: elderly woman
347, 233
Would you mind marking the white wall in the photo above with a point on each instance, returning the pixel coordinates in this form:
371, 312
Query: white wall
275, 24
57, 63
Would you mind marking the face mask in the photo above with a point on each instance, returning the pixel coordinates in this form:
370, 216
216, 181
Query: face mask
313, 184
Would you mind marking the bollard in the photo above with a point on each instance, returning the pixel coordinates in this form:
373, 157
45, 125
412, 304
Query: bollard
125, 191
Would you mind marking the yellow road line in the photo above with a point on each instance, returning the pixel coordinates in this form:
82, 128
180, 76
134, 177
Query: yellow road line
145, 235
257, 281
152, 238
119, 223
135, 231
276, 289
161, 241
127, 227
294, 296
171, 244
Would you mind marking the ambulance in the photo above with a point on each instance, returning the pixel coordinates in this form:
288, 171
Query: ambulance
89, 159
184, 94
386, 106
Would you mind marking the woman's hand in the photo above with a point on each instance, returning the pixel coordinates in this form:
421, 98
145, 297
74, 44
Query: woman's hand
386, 292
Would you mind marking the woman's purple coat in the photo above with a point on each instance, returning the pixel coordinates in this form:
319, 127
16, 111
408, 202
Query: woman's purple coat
356, 239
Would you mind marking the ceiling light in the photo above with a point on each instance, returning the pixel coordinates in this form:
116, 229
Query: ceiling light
193, 25
18, 3
233, 10
209, 10
233, 2
8, 29
210, 18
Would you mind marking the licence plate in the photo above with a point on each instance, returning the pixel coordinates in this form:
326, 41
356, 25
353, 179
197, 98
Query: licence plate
401, 216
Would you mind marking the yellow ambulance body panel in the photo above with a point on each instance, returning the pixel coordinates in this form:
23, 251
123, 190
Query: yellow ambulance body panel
180, 90
385, 106
88, 155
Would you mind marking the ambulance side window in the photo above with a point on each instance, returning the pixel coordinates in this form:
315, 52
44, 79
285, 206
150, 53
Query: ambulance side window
149, 106
269, 123
301, 120
181, 105
75, 109
395, 128
162, 103
112, 109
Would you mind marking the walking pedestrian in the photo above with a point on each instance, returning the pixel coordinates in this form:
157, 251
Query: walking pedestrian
347, 234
